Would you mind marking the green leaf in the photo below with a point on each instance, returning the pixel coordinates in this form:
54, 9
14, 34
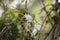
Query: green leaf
2, 20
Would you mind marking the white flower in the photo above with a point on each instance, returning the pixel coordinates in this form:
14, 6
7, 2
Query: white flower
37, 27
13, 4
28, 17
58, 1
34, 32
1, 11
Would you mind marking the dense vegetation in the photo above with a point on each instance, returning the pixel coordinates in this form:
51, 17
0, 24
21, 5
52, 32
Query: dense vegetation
30, 20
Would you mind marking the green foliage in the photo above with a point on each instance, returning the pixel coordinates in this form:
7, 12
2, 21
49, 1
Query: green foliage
54, 18
14, 16
2, 20
14, 35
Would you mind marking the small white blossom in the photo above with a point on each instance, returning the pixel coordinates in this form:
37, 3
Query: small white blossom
1, 11
37, 27
28, 17
34, 32
13, 4
58, 1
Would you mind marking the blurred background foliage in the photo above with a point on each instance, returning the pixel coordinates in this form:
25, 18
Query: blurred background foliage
29, 20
